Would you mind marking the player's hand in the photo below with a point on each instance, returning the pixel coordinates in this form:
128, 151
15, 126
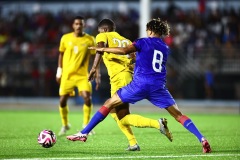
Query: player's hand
92, 74
133, 57
58, 80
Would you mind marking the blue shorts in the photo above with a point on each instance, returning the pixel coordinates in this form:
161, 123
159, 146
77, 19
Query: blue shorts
157, 94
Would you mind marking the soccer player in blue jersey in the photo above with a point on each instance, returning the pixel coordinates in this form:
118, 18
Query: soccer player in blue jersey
149, 81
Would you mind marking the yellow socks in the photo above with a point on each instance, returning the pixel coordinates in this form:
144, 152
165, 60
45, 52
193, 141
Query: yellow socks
86, 114
126, 129
64, 115
139, 121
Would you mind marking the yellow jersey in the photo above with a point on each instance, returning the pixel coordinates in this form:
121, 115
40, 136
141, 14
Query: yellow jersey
76, 54
115, 63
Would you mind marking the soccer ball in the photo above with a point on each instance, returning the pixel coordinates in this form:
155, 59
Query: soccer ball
47, 138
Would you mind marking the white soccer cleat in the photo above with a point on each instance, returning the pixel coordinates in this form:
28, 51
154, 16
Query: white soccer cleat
64, 129
164, 129
133, 148
77, 137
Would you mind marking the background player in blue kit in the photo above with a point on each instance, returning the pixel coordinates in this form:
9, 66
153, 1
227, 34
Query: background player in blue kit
149, 81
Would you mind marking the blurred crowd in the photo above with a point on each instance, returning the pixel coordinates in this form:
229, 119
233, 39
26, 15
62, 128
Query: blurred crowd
29, 43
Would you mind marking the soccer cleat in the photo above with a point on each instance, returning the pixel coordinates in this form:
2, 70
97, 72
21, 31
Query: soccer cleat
206, 146
164, 129
133, 148
78, 137
64, 129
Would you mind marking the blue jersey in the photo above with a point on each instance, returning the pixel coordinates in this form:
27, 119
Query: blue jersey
149, 74
151, 58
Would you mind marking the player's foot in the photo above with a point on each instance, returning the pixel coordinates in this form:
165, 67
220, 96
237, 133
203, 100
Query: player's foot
206, 146
92, 132
164, 129
77, 137
64, 129
133, 148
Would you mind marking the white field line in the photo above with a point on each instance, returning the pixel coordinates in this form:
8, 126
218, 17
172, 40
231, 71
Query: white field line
135, 157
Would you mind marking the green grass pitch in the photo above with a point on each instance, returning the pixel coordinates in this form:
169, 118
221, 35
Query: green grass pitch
19, 132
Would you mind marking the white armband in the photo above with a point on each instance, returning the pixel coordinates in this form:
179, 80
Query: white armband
59, 72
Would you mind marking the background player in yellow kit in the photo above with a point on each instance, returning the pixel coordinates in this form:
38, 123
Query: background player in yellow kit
72, 71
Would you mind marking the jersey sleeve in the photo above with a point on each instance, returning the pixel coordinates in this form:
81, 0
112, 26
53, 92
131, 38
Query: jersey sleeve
137, 44
62, 46
101, 37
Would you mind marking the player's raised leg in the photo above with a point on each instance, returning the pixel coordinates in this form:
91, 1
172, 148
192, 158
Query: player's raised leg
143, 122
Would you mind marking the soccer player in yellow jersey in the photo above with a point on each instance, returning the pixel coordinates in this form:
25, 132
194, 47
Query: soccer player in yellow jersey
120, 71
72, 71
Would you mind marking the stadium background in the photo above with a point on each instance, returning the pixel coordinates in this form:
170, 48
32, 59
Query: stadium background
205, 35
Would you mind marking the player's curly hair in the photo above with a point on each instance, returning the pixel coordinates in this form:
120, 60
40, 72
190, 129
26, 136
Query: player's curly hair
158, 26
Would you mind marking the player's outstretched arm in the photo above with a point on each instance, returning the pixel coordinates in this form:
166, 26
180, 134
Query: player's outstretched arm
116, 50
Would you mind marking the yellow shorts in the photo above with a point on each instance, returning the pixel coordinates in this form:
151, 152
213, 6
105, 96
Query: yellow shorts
81, 83
120, 80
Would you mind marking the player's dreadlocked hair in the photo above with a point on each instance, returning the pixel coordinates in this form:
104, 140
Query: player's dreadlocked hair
158, 26
107, 22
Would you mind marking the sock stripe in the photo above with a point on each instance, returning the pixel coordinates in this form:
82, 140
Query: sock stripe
183, 119
104, 111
